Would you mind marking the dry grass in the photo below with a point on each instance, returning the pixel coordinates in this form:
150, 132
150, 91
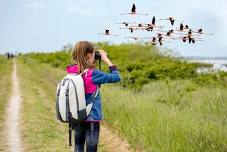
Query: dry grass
5, 91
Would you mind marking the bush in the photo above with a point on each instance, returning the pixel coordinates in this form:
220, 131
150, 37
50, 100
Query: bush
139, 64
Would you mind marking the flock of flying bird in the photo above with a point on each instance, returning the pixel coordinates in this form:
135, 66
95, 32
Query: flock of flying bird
184, 32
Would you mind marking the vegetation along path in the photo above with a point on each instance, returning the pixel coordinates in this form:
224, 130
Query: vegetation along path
6, 68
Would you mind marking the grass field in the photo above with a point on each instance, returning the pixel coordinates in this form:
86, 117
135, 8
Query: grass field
5, 90
166, 115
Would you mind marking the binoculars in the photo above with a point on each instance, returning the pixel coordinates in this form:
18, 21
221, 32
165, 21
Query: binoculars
97, 55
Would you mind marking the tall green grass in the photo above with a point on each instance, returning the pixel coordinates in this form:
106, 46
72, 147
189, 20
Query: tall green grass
5, 92
169, 116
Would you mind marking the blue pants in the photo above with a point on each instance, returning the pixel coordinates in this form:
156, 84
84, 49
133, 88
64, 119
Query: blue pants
87, 132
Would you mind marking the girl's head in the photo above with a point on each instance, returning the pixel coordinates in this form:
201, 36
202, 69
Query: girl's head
83, 54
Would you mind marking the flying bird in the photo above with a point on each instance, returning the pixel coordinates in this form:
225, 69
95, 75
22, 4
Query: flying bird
152, 24
160, 35
153, 41
189, 38
157, 40
131, 28
193, 40
141, 25
190, 33
200, 31
172, 20
136, 38
172, 33
184, 39
186, 27
147, 27
126, 23
107, 32
181, 28
133, 11
151, 28
169, 33
153, 20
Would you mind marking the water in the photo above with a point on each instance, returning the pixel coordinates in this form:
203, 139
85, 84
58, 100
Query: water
218, 64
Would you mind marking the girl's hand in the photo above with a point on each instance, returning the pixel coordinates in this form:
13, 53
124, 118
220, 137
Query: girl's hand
104, 57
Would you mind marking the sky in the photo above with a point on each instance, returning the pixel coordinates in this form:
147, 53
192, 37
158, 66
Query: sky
47, 25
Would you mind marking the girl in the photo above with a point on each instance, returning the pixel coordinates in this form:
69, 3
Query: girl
84, 56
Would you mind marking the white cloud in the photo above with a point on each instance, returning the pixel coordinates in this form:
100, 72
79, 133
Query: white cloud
74, 9
34, 5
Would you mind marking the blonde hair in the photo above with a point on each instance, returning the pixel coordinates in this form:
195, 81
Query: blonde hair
79, 55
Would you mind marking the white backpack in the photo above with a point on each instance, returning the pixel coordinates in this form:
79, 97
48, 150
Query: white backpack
70, 100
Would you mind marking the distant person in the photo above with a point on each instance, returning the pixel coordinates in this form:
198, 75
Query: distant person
11, 56
8, 55
84, 56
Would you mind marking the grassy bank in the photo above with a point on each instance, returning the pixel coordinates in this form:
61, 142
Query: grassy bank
5, 92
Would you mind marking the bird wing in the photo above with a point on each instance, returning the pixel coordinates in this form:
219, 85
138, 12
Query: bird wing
172, 21
181, 26
133, 8
153, 20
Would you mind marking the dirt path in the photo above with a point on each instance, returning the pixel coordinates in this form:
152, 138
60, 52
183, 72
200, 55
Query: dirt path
13, 114
112, 142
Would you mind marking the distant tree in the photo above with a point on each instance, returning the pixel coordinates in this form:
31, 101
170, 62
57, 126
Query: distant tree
67, 47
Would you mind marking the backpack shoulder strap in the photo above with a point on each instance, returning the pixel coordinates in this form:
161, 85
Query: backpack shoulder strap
94, 95
84, 72
91, 100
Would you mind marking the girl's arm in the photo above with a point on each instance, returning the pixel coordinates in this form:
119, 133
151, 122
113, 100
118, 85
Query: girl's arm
99, 77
